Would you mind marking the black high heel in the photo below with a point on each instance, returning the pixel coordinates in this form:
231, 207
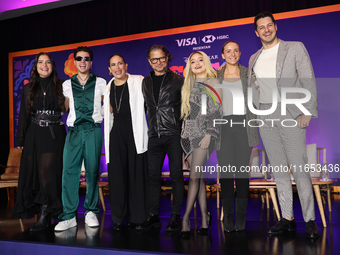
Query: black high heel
186, 234
205, 231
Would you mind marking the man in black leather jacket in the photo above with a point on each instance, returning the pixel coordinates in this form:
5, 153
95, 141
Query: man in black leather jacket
162, 95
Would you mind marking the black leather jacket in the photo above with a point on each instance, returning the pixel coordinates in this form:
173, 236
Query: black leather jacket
164, 118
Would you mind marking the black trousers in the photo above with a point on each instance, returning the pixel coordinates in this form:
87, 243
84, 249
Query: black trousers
234, 151
157, 149
127, 176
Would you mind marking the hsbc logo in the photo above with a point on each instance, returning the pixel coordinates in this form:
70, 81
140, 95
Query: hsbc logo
196, 41
208, 39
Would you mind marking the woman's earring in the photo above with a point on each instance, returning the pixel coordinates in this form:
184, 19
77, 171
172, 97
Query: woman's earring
110, 73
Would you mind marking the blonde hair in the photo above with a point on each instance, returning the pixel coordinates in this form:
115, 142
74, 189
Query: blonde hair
190, 80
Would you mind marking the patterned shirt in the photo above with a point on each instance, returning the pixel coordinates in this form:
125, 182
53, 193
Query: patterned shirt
197, 125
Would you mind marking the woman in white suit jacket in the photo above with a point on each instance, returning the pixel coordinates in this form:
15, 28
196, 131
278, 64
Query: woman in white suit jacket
126, 142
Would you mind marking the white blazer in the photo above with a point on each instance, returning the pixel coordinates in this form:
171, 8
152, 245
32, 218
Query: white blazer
139, 126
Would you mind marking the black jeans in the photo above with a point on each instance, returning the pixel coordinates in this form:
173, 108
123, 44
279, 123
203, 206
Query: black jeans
157, 149
234, 151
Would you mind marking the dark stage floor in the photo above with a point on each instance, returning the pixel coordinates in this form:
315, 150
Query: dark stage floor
252, 241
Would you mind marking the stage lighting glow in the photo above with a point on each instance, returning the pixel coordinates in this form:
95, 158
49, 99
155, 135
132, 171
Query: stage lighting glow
17, 4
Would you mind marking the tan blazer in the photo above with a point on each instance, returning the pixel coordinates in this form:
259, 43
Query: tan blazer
293, 69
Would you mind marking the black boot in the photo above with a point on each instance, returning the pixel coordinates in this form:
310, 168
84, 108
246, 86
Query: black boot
228, 211
241, 214
174, 223
43, 221
152, 222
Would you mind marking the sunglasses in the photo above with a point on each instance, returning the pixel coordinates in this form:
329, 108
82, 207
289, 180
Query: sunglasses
83, 58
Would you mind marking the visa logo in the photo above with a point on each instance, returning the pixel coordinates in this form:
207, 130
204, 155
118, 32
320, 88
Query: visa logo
187, 42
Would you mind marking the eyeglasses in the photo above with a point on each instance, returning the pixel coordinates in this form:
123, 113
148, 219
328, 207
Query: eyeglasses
79, 58
155, 60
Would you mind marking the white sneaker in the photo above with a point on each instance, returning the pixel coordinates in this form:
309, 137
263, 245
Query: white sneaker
91, 219
66, 224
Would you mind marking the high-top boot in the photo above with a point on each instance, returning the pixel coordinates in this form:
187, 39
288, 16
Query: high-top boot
241, 213
228, 211
43, 221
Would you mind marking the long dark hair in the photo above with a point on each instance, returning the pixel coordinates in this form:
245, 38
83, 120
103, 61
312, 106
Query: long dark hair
34, 87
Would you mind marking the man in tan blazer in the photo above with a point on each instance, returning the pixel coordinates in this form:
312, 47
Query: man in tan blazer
284, 66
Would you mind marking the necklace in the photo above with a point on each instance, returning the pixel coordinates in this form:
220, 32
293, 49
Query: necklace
82, 82
121, 96
44, 93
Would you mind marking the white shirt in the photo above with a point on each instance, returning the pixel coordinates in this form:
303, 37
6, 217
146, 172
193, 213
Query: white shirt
265, 70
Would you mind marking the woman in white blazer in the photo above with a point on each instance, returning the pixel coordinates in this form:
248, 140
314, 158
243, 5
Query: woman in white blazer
126, 142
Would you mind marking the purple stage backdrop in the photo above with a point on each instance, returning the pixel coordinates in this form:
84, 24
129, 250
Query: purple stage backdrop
319, 33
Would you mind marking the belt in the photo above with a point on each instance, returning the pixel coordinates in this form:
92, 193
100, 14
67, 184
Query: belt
44, 120
84, 126
47, 119
46, 123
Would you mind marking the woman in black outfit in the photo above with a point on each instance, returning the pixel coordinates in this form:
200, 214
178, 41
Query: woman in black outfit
41, 135
236, 141
126, 143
